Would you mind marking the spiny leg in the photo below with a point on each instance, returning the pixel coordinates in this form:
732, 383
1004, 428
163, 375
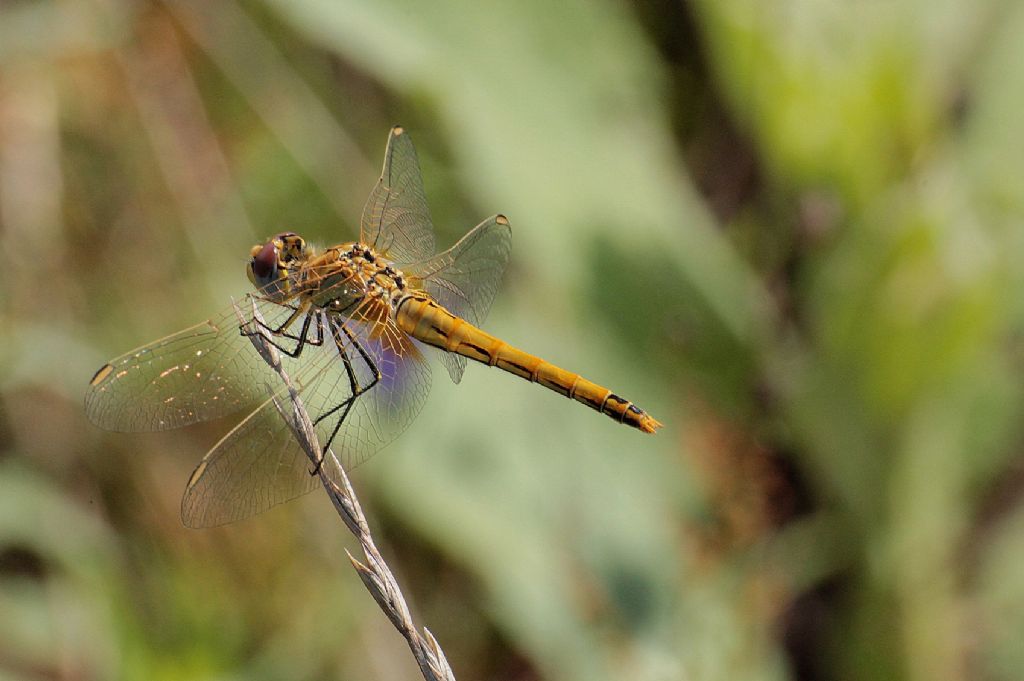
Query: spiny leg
281, 330
296, 311
301, 340
354, 384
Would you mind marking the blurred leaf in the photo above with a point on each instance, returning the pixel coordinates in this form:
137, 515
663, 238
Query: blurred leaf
55, 569
839, 94
1001, 600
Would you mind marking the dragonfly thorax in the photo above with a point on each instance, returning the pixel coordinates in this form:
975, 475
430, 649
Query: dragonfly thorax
343, 276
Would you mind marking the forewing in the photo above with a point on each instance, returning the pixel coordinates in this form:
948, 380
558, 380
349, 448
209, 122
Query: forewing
198, 374
466, 277
396, 221
361, 388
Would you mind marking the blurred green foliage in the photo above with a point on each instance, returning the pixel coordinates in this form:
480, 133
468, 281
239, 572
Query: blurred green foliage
789, 230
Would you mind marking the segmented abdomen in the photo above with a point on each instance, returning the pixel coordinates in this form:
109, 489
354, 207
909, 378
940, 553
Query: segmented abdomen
423, 318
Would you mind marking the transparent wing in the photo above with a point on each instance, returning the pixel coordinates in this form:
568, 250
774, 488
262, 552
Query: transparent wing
254, 467
362, 389
396, 221
394, 364
465, 278
198, 374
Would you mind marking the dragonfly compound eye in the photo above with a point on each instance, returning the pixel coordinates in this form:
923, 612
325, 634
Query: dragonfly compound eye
264, 264
292, 247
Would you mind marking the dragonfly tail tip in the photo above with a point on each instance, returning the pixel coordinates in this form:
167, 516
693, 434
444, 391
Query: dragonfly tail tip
650, 424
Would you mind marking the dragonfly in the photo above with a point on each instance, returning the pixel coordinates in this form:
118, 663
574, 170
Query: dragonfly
354, 323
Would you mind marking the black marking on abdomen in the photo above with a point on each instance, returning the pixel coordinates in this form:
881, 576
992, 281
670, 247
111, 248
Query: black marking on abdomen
553, 385
593, 403
483, 355
512, 367
621, 403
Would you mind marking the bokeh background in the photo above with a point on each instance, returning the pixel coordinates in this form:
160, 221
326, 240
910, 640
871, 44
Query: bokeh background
790, 230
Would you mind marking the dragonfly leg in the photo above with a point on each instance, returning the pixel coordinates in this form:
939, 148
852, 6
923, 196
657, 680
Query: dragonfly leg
354, 384
284, 334
302, 340
296, 311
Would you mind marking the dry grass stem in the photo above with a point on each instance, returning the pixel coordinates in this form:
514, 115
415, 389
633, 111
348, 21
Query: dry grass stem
374, 572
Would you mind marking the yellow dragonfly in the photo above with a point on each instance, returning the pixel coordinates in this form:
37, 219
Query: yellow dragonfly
352, 322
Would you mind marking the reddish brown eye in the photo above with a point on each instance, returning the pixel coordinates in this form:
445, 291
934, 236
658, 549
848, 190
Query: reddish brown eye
264, 263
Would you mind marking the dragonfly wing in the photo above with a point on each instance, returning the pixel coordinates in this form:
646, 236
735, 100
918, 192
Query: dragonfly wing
465, 278
362, 387
390, 367
256, 466
396, 221
198, 374
259, 464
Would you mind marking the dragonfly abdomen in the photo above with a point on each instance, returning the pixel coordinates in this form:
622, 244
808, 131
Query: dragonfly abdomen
423, 318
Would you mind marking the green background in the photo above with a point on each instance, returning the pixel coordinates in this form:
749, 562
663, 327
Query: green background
789, 230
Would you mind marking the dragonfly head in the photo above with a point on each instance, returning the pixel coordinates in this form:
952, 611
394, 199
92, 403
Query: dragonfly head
269, 264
